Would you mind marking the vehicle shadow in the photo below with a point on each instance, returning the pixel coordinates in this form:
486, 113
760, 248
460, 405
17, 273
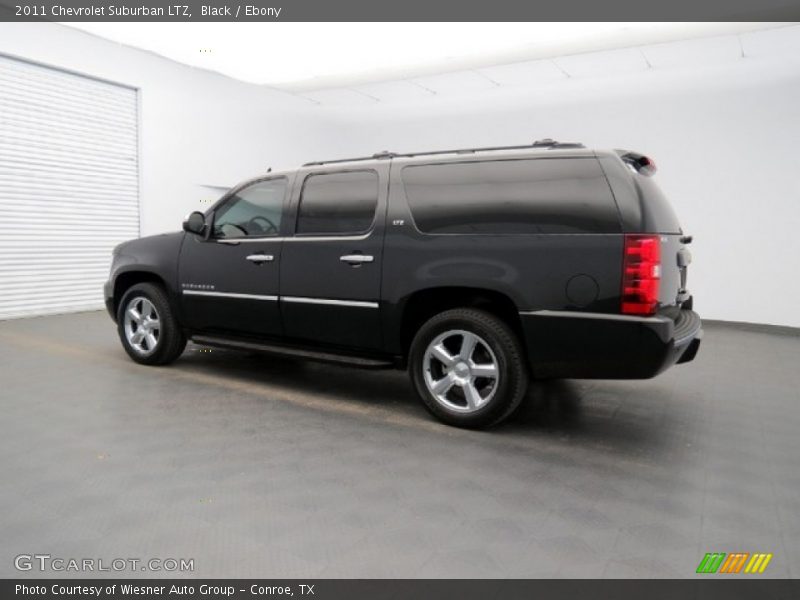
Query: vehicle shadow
610, 415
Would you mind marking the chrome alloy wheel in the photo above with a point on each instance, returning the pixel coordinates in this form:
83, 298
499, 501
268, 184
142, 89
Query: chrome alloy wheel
461, 372
142, 326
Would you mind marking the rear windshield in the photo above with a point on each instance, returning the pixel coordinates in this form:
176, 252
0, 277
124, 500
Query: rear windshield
657, 212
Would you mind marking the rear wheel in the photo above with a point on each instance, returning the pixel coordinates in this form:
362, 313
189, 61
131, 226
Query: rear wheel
468, 368
147, 327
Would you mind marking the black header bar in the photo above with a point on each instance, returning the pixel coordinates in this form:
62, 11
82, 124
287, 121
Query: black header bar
399, 10
702, 588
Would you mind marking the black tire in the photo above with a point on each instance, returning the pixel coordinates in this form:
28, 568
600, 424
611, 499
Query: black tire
170, 339
503, 395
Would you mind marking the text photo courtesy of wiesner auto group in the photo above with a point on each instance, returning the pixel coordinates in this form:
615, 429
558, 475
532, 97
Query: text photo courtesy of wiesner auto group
425, 300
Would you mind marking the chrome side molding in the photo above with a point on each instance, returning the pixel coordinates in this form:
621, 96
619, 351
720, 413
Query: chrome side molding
229, 295
354, 303
293, 299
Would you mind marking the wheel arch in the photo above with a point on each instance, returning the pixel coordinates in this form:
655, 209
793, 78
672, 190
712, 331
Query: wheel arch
426, 303
127, 279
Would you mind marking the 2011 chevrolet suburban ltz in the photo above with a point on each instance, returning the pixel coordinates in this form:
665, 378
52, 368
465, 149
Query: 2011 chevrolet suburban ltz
476, 269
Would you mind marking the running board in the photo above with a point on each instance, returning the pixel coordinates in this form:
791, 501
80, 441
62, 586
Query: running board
329, 357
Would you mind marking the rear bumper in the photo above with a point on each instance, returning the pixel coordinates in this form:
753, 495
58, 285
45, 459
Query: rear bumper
606, 346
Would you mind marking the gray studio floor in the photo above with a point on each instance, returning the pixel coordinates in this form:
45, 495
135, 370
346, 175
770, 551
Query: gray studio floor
260, 467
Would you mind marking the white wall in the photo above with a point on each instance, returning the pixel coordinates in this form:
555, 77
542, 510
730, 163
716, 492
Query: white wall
725, 138
725, 134
197, 128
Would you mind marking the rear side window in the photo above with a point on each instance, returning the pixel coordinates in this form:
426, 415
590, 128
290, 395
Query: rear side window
554, 195
338, 203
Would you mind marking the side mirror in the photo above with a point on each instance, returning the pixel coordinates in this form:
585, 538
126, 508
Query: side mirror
195, 223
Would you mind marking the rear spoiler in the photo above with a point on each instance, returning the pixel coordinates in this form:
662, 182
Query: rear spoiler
644, 165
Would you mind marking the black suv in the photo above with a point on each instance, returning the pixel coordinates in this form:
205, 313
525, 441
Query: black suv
476, 269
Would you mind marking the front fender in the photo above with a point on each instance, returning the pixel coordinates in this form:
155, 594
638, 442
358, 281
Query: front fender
153, 258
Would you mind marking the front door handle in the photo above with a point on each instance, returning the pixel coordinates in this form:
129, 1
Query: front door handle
356, 259
260, 258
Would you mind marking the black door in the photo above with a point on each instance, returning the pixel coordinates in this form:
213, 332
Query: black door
331, 266
229, 282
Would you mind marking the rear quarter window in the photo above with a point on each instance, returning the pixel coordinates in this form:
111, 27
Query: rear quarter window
547, 195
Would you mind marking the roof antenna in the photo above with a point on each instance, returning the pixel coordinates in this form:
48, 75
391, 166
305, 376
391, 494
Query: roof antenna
269, 169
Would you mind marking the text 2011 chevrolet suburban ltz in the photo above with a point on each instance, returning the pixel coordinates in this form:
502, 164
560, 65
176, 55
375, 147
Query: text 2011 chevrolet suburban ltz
475, 269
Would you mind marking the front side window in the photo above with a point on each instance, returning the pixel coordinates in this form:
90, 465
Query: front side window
338, 203
254, 211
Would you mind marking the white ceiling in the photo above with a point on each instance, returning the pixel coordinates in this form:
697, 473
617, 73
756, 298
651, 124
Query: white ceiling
701, 57
418, 59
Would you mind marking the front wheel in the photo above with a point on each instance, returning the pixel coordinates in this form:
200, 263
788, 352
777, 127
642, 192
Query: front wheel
147, 327
468, 367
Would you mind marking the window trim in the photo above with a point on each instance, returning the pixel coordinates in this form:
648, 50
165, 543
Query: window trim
228, 197
363, 234
472, 160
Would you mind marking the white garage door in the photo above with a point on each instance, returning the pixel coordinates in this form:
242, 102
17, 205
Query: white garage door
68, 186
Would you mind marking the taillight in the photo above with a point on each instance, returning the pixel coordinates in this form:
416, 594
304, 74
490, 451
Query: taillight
641, 274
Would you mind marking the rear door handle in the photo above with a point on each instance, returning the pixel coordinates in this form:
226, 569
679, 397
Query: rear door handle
260, 258
356, 259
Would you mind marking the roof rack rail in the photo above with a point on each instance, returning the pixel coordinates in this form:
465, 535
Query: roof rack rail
544, 143
551, 143
377, 155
